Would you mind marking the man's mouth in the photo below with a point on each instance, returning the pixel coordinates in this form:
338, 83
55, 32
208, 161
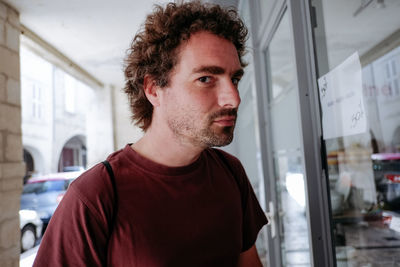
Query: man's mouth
224, 118
225, 121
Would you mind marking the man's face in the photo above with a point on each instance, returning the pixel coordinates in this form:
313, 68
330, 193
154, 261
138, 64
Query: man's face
201, 101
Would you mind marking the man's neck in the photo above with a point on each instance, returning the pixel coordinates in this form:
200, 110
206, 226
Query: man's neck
163, 148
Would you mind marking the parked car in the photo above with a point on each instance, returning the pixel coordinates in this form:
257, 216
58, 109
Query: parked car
73, 168
43, 193
387, 178
31, 228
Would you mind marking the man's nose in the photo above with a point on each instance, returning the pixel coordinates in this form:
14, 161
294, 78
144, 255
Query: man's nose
228, 95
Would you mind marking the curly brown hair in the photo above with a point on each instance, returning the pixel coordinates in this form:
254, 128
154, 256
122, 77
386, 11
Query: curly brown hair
154, 49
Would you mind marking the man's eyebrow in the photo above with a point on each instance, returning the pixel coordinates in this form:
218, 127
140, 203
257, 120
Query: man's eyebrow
209, 69
216, 70
238, 73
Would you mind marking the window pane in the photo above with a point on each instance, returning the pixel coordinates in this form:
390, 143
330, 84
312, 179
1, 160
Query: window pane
363, 168
288, 159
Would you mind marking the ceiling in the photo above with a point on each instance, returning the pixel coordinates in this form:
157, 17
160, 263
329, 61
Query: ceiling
92, 33
95, 34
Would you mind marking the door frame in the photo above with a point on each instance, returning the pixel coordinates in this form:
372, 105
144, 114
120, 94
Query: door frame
260, 36
316, 179
316, 184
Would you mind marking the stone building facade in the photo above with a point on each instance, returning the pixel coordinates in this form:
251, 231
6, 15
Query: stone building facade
92, 123
11, 163
60, 125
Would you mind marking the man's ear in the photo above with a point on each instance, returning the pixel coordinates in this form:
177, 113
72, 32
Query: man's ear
151, 90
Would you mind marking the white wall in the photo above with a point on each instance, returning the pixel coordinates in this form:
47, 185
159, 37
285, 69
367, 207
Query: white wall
99, 125
125, 131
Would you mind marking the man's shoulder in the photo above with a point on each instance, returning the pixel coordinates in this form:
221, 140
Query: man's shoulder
92, 180
118, 155
96, 180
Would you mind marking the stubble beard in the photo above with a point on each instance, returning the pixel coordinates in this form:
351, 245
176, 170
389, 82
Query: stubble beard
205, 136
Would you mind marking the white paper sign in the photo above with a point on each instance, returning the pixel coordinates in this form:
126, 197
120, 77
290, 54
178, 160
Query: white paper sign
341, 97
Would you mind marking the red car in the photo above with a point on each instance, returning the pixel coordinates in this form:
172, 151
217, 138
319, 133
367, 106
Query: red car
387, 178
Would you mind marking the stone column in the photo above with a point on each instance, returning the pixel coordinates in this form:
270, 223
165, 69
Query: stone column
12, 167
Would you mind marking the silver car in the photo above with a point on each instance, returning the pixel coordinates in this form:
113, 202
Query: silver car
31, 228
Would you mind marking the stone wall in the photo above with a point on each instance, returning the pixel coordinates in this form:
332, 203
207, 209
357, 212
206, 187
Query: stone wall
12, 167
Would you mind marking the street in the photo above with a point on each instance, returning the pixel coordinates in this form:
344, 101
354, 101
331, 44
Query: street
26, 259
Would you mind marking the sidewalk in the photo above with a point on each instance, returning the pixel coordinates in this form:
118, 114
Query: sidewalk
26, 259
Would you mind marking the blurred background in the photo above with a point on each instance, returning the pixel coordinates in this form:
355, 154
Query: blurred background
318, 130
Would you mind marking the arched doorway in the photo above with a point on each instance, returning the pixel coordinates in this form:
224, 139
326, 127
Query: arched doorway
29, 165
73, 155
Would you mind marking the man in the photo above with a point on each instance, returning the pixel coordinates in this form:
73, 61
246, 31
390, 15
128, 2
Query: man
177, 201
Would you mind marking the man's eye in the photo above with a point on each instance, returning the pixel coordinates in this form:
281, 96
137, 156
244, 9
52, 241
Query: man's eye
205, 79
235, 81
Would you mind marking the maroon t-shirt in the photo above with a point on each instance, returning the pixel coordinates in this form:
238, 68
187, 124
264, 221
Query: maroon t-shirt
167, 216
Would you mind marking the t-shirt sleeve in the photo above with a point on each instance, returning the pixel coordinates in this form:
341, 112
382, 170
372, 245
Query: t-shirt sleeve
78, 232
253, 216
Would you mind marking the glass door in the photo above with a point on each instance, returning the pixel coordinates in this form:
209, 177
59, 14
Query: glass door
289, 207
358, 57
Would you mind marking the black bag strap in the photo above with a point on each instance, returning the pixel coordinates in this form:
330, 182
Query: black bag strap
115, 202
243, 192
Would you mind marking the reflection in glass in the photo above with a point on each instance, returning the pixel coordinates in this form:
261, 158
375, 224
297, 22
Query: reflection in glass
247, 151
364, 169
287, 150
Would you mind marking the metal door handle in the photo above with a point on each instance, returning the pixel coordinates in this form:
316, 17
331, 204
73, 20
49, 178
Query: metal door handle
271, 218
